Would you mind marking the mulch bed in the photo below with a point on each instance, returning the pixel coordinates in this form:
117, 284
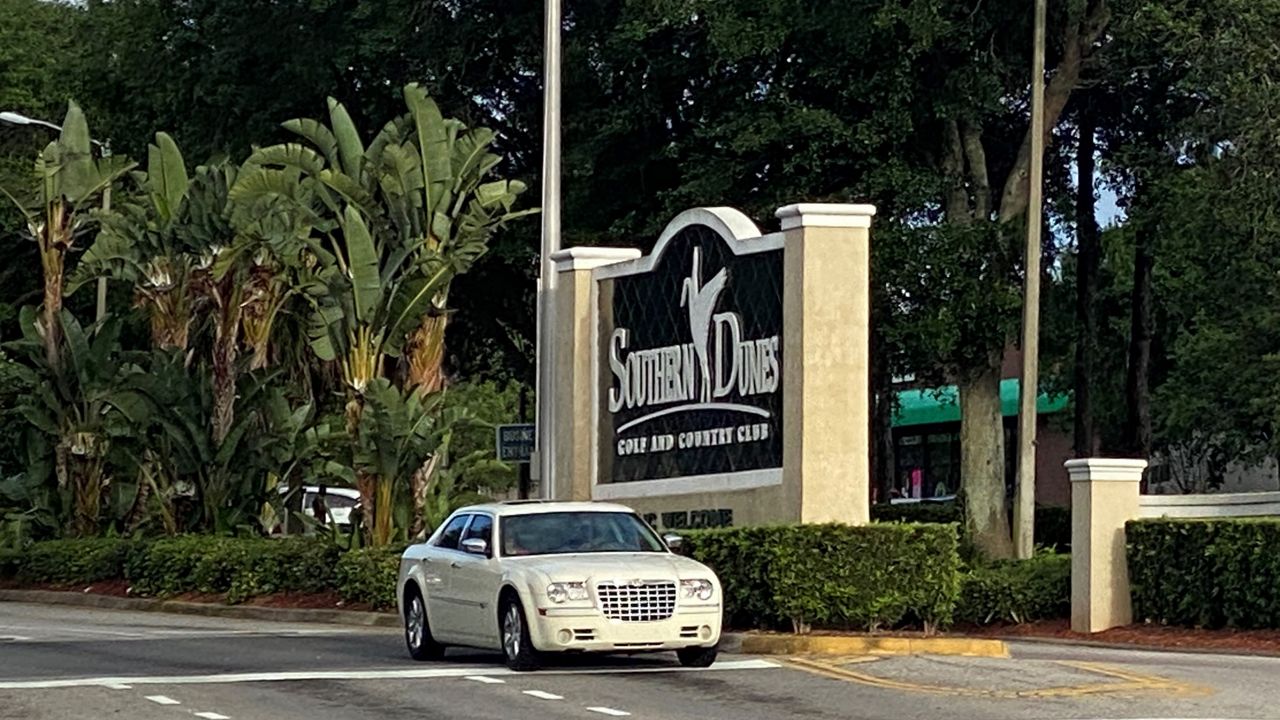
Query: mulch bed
1148, 635
1154, 636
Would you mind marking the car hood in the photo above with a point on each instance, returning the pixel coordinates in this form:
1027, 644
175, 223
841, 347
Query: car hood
597, 567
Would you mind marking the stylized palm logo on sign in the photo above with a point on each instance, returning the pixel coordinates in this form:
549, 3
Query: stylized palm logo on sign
701, 300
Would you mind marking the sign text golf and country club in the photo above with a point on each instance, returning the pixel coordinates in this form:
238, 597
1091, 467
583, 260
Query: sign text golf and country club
515, 443
690, 362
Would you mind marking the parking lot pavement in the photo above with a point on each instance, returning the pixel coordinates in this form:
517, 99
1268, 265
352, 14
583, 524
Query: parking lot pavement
138, 665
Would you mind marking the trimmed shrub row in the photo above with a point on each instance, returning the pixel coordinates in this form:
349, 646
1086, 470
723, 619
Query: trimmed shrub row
239, 567
74, 561
1053, 524
1205, 573
1016, 591
369, 575
783, 577
834, 576
10, 561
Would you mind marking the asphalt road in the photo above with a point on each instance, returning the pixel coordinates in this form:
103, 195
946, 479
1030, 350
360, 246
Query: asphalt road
58, 662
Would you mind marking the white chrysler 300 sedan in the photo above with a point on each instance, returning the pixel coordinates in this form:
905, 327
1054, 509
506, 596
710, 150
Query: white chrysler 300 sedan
538, 577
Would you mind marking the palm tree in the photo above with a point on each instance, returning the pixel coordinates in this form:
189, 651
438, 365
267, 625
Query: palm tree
422, 189
413, 210
274, 210
141, 243
84, 406
68, 178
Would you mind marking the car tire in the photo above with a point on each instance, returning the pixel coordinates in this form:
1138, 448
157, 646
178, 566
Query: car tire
417, 629
513, 629
698, 657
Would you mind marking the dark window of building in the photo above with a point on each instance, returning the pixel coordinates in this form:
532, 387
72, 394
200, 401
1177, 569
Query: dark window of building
928, 461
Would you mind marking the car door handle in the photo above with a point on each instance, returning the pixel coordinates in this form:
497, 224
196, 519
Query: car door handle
455, 565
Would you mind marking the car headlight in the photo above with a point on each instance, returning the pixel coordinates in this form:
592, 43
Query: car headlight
562, 592
701, 589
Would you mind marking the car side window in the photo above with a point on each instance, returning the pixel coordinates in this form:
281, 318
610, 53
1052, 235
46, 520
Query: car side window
481, 528
453, 533
340, 501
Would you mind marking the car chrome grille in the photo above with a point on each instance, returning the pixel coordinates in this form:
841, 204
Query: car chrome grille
646, 601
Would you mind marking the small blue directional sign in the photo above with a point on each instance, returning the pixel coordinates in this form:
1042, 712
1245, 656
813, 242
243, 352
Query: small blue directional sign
515, 443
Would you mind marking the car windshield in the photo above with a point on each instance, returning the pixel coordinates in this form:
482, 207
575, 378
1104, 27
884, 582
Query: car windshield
577, 532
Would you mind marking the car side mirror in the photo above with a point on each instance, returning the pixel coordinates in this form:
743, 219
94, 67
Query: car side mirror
675, 542
475, 546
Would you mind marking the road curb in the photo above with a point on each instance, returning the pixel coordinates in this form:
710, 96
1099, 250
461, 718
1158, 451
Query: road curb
757, 644
240, 612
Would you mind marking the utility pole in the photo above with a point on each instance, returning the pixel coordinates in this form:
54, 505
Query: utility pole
545, 413
106, 208
1024, 510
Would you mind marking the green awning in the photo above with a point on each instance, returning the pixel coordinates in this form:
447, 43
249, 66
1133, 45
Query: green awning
940, 405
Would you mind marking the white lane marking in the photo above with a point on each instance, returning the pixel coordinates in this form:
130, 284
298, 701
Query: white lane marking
14, 638
118, 686
163, 700
211, 716
414, 674
542, 695
609, 711
485, 680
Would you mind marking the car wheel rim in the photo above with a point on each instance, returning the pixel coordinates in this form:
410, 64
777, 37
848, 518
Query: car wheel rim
416, 621
511, 631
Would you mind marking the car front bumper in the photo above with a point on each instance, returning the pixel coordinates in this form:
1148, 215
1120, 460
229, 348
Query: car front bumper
561, 629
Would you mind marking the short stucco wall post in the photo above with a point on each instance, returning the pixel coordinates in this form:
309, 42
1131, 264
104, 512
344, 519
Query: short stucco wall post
1104, 496
826, 363
573, 329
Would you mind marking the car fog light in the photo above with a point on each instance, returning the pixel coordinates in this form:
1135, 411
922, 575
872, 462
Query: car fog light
704, 632
564, 636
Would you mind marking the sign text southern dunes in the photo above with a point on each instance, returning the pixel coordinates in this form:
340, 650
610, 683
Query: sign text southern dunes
675, 373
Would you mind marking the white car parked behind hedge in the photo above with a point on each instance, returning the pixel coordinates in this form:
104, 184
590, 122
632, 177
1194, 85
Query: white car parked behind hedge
532, 577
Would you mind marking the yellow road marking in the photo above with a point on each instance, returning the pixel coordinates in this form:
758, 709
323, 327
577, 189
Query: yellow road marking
1130, 682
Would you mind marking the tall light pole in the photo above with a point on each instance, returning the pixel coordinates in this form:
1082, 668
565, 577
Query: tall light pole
16, 118
1024, 510
545, 422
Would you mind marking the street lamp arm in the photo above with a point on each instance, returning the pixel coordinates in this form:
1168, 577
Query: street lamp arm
17, 118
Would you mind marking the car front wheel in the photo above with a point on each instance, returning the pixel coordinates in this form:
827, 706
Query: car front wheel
417, 630
516, 646
698, 657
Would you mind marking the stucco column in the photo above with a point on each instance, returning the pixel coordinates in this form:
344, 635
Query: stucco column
1104, 496
826, 361
573, 331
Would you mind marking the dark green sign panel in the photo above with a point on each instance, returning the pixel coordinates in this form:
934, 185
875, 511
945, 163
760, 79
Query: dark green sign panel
515, 443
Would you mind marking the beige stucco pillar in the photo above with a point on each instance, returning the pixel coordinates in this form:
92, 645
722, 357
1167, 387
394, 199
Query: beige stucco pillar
573, 328
1104, 496
826, 367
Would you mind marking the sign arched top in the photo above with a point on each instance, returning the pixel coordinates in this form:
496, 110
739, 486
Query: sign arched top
740, 233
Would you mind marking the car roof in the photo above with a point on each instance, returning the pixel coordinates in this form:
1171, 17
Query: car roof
539, 507
331, 490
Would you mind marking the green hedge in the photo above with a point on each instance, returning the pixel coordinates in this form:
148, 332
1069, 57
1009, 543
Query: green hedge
10, 561
369, 575
1016, 591
240, 567
74, 562
1053, 524
1205, 573
834, 576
